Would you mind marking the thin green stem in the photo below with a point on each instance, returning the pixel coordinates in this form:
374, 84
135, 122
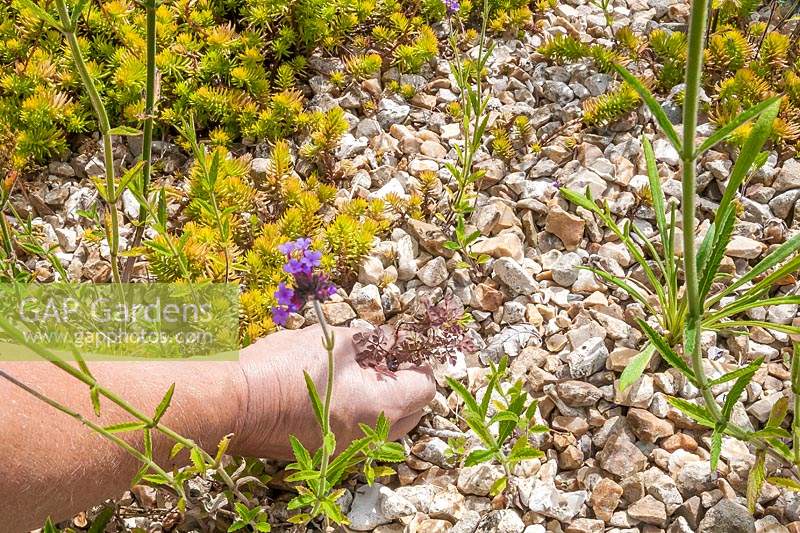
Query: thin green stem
697, 27
796, 412
147, 138
6, 231
328, 342
112, 232
97, 429
472, 137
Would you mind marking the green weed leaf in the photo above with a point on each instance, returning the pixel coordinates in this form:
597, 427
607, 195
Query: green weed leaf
755, 480
636, 367
316, 403
667, 353
696, 412
41, 13
653, 106
750, 150
124, 131
163, 405
722, 133
739, 372
102, 519
478, 456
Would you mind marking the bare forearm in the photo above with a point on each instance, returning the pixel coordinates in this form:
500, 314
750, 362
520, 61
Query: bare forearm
51, 464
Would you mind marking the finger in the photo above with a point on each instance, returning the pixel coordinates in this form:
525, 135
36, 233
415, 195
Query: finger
404, 425
414, 387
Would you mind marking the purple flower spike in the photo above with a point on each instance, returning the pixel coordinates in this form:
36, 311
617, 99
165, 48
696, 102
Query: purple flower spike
452, 6
301, 262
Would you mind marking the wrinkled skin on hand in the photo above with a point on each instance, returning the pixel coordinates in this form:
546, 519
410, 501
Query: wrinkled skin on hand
278, 403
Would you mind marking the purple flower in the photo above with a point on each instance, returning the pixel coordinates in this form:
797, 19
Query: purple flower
312, 258
452, 6
284, 294
296, 266
289, 247
280, 315
301, 263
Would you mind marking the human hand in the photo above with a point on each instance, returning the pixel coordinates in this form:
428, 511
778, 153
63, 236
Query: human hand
278, 403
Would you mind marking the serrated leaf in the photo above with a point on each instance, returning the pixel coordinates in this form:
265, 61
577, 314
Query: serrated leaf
302, 475
716, 447
125, 427
94, 394
222, 447
163, 405
785, 483
329, 443
300, 453
755, 480
739, 372
771, 433
197, 460
461, 390
735, 393
476, 457
696, 412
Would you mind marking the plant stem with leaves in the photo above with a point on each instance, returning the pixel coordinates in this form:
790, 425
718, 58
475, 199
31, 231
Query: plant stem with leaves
149, 117
328, 343
694, 74
67, 26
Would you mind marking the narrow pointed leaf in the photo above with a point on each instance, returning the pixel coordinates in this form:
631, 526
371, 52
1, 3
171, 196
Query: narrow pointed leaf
636, 367
102, 519
722, 133
755, 481
785, 483
654, 107
696, 412
41, 13
739, 372
316, 403
125, 427
750, 150
667, 353
462, 391
777, 256
735, 393
716, 448
164, 404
